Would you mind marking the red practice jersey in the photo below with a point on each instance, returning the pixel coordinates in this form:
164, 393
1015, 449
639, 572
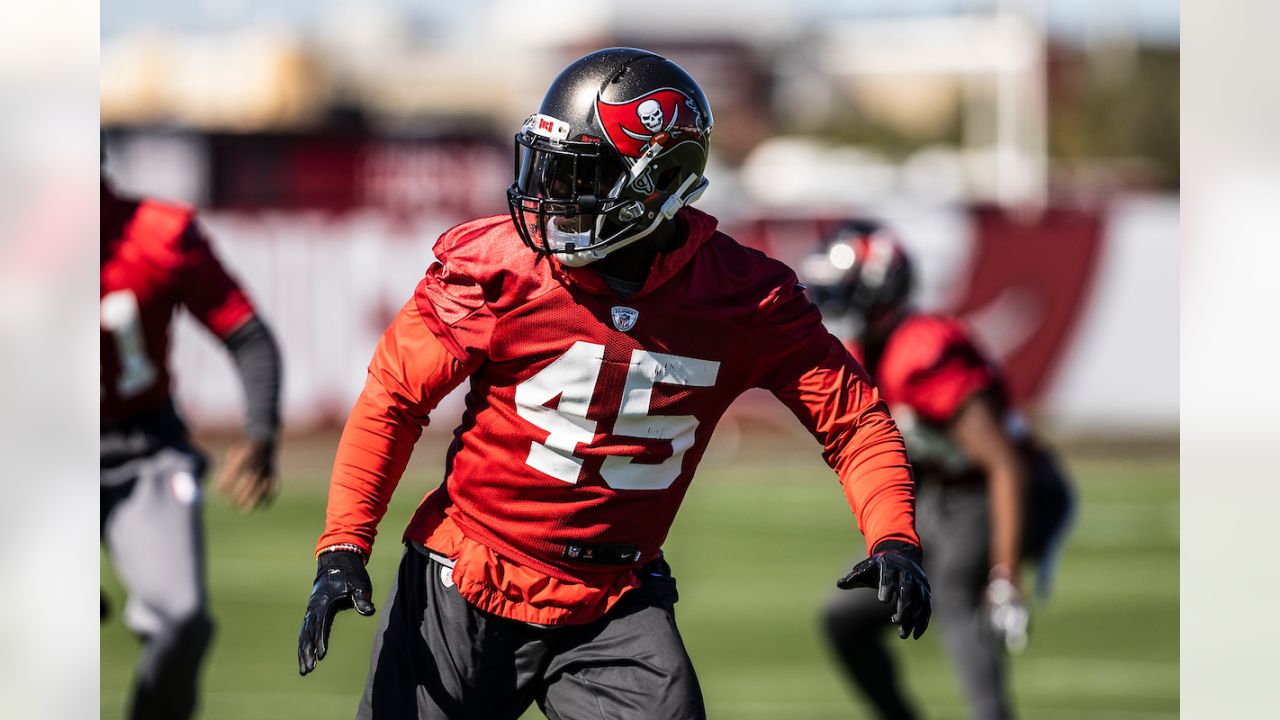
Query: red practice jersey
153, 260
932, 366
588, 412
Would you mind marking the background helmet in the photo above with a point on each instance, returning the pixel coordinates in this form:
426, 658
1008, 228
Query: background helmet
617, 147
860, 272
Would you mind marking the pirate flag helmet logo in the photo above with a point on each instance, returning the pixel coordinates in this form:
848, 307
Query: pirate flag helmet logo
662, 116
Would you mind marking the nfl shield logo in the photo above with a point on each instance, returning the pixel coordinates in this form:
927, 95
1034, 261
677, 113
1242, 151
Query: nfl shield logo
624, 318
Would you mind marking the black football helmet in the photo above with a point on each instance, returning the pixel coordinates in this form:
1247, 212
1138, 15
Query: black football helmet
859, 274
618, 146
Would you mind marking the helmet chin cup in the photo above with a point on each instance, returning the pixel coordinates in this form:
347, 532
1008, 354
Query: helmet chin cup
578, 259
563, 244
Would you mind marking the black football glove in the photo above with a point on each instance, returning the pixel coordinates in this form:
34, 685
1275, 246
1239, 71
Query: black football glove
341, 584
894, 570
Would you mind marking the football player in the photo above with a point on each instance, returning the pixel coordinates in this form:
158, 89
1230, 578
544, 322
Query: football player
155, 259
604, 326
990, 495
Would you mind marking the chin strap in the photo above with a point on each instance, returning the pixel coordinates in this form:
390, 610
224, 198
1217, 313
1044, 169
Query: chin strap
684, 196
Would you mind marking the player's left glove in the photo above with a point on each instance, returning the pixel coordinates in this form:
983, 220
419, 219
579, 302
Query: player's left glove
894, 570
1007, 613
341, 584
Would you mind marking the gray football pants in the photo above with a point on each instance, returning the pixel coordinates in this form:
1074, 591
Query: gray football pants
435, 656
953, 525
150, 524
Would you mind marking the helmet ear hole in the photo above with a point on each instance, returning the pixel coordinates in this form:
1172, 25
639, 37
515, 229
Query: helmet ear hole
668, 180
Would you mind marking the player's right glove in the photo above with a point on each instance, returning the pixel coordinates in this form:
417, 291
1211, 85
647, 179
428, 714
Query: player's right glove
341, 583
1008, 614
249, 474
894, 571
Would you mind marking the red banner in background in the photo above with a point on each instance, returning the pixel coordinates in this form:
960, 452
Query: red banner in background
1028, 283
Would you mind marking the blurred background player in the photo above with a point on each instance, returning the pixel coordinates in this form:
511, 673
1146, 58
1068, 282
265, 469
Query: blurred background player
989, 495
154, 259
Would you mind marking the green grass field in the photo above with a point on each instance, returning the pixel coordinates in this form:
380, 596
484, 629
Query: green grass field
763, 534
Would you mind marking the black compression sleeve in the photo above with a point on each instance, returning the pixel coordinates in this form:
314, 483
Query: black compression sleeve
257, 359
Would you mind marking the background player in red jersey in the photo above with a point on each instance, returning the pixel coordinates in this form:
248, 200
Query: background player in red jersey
605, 327
990, 495
153, 260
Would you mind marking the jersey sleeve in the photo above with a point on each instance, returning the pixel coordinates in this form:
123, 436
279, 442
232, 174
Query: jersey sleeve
410, 373
206, 288
814, 375
934, 368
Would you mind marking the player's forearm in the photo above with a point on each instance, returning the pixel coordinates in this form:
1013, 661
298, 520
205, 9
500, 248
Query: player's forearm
375, 448
979, 433
838, 404
257, 359
410, 373
1006, 489
877, 480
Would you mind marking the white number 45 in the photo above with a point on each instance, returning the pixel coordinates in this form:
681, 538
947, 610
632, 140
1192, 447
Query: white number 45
573, 377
